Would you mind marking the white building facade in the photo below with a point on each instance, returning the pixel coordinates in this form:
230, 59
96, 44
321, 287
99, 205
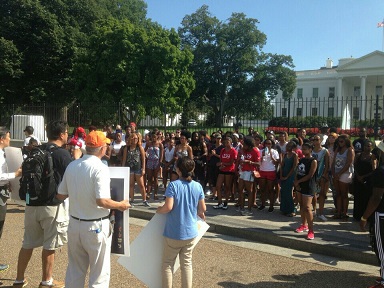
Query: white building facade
353, 84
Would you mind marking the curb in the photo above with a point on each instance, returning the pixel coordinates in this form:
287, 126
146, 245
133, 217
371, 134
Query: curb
285, 238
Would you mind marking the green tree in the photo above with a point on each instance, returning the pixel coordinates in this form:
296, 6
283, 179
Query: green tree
142, 67
49, 35
232, 73
10, 62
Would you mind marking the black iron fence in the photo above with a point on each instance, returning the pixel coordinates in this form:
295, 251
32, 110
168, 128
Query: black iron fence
346, 113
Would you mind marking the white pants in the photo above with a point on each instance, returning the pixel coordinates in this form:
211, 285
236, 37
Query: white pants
89, 247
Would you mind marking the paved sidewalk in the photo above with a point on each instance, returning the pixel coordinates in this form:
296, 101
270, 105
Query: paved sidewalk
337, 238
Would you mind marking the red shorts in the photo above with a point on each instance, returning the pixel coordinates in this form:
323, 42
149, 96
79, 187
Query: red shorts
269, 175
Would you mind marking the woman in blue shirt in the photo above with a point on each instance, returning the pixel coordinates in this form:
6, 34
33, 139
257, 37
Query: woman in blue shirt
184, 202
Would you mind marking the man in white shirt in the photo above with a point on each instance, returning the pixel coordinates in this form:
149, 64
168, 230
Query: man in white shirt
28, 131
5, 176
86, 182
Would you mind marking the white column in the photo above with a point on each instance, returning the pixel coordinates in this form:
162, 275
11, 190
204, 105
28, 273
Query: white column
363, 96
339, 95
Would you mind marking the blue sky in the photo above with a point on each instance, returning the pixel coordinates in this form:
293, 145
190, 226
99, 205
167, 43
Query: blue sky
309, 30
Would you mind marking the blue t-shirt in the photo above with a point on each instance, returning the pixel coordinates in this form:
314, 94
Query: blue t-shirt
181, 223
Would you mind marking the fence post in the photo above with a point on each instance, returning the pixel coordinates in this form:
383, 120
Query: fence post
289, 114
119, 114
78, 113
376, 117
165, 117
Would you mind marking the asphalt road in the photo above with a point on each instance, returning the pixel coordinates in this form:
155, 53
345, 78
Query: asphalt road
218, 261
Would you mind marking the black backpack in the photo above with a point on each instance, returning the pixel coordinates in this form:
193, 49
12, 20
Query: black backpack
38, 179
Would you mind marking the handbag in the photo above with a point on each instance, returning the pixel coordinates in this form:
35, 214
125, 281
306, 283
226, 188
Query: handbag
256, 174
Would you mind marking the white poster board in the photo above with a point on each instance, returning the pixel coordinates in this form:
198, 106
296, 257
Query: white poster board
14, 159
120, 191
147, 251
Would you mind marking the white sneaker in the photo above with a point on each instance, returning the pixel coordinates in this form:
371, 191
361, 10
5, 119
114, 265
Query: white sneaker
322, 218
218, 206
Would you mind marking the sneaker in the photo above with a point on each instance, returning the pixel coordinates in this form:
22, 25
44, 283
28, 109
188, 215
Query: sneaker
277, 202
20, 285
146, 204
270, 210
322, 218
246, 213
55, 284
261, 207
302, 229
218, 206
4, 267
310, 235
225, 206
132, 204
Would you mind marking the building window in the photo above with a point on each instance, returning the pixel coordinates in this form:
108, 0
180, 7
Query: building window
356, 91
356, 113
314, 111
284, 112
315, 92
331, 112
299, 112
299, 93
331, 93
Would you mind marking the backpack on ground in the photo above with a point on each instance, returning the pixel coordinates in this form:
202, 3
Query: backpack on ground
37, 183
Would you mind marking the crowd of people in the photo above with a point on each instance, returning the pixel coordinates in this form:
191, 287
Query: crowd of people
254, 171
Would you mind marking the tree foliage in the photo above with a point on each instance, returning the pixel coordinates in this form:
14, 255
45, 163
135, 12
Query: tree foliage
233, 75
141, 66
10, 62
49, 35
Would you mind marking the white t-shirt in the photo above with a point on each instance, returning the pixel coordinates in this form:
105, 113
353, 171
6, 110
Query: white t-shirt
116, 146
266, 161
84, 181
26, 141
168, 154
282, 147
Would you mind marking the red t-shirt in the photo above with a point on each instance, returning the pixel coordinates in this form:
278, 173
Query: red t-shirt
253, 156
226, 157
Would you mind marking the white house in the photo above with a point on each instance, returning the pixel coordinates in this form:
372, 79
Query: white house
327, 91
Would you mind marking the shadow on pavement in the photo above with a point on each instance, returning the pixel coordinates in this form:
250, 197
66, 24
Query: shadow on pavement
310, 279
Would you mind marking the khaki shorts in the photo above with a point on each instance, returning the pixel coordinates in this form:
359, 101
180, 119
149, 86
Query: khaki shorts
43, 229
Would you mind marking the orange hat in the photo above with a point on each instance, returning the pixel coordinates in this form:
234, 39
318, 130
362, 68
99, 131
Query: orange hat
96, 139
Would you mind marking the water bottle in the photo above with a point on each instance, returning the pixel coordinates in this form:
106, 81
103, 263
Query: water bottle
266, 151
27, 195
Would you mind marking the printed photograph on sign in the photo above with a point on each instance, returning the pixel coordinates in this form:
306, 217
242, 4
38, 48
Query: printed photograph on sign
119, 219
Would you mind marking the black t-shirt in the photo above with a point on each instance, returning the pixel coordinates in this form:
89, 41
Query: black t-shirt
303, 169
377, 181
358, 145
